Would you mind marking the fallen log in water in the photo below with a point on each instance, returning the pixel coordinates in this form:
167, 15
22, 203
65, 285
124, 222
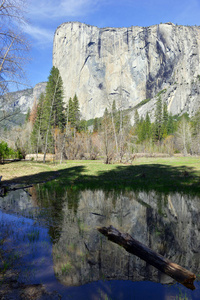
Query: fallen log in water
133, 246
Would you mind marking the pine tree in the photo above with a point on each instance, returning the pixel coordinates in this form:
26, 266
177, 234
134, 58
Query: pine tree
170, 125
38, 132
73, 112
76, 111
196, 123
95, 125
115, 124
136, 117
141, 130
53, 106
108, 136
70, 113
165, 114
196, 131
147, 126
82, 127
165, 121
54, 99
116, 117
158, 120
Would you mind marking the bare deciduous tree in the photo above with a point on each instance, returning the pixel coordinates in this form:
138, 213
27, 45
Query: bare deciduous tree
183, 136
108, 138
13, 48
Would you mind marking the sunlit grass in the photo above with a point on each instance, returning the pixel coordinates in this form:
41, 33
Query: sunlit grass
174, 173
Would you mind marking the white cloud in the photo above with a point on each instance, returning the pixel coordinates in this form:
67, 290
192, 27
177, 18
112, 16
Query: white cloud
56, 9
78, 7
42, 36
46, 15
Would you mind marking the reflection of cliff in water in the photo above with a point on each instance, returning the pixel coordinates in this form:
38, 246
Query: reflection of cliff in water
167, 224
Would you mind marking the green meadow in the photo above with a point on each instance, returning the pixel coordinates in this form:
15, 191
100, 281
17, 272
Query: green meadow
181, 174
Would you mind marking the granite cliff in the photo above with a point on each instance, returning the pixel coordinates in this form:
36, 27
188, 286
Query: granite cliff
23, 99
129, 65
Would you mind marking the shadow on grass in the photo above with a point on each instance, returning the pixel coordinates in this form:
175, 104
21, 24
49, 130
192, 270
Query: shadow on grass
162, 178
158, 177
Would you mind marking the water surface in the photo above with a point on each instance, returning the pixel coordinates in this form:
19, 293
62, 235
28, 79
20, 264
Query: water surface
53, 231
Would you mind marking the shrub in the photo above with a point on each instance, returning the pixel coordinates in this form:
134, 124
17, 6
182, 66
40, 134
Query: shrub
4, 151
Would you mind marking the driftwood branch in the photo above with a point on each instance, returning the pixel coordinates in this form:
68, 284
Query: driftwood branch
133, 246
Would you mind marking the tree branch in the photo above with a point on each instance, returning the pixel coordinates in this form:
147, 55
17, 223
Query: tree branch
133, 246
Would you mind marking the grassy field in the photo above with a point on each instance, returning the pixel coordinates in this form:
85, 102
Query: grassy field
162, 174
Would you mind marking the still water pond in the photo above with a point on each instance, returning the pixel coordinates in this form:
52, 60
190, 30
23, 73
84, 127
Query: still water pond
53, 232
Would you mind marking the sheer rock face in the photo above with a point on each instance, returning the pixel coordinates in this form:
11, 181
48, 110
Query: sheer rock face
27, 101
24, 99
129, 65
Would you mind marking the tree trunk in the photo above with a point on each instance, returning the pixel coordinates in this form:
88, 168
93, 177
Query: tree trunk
113, 124
133, 246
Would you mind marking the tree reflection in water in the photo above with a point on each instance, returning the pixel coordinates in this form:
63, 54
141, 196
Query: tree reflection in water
169, 224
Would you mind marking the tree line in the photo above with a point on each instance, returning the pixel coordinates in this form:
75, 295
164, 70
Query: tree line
112, 136
51, 120
52, 127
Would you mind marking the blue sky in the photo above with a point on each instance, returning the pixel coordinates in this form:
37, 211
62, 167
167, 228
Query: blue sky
44, 16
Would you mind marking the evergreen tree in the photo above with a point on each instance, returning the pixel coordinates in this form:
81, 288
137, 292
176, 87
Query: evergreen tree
137, 125
114, 109
158, 120
106, 115
147, 126
196, 123
53, 108
165, 121
153, 131
70, 113
76, 110
108, 136
141, 130
136, 117
116, 117
171, 127
73, 112
83, 126
96, 125
196, 131
54, 105
38, 132
165, 114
